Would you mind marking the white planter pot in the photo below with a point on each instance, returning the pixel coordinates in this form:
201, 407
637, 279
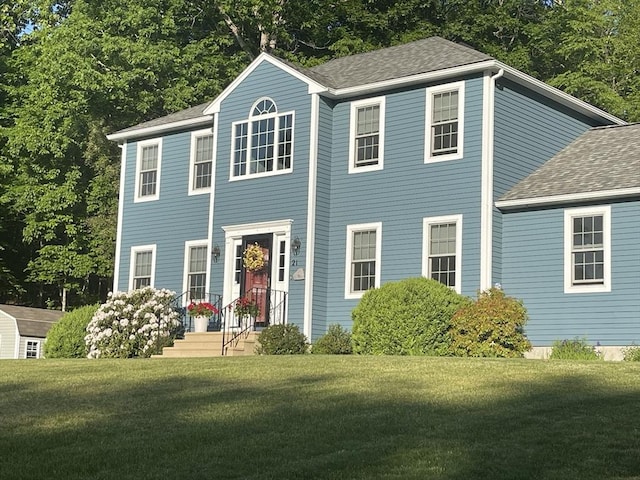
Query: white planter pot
200, 324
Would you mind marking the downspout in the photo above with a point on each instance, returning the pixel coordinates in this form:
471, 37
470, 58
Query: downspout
486, 209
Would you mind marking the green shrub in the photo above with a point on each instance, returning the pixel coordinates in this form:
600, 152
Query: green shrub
281, 340
66, 337
493, 326
409, 317
337, 341
576, 349
631, 354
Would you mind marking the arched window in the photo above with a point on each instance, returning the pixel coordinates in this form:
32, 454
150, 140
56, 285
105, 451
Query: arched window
264, 142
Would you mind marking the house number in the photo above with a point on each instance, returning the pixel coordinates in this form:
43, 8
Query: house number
294, 263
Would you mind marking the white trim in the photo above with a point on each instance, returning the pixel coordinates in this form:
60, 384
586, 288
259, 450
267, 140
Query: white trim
123, 170
136, 194
426, 223
569, 214
192, 161
38, 347
213, 193
431, 91
351, 229
380, 102
257, 228
160, 129
569, 198
313, 86
132, 261
311, 216
249, 120
185, 272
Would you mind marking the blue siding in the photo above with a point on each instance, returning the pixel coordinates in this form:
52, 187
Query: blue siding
529, 130
403, 193
534, 272
271, 198
167, 222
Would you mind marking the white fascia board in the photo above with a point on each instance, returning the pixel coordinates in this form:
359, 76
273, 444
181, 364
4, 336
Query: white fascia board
314, 87
157, 129
569, 198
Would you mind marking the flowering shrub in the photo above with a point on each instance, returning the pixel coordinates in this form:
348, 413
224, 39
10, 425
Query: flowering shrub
246, 307
133, 324
253, 258
201, 309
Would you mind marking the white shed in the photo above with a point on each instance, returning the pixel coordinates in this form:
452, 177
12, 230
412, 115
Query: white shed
23, 330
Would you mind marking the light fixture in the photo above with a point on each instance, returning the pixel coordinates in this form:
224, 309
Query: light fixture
295, 245
215, 253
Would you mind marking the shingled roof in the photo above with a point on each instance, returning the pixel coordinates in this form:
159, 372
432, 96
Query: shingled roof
604, 159
422, 56
32, 322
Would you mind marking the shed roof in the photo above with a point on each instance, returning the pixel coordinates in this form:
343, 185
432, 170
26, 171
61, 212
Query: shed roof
32, 322
603, 159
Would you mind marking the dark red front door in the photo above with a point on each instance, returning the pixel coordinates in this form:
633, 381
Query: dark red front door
256, 283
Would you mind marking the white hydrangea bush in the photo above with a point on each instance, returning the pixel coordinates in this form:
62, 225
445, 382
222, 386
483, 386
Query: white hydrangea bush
137, 323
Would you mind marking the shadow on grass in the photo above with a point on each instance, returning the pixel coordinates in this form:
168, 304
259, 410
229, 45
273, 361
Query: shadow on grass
342, 419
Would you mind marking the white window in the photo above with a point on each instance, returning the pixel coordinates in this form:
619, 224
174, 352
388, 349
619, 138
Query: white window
442, 250
143, 265
201, 166
445, 122
364, 243
196, 255
366, 144
32, 349
587, 250
148, 170
262, 145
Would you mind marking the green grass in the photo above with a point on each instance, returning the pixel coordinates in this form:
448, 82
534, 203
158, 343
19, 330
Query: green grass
319, 417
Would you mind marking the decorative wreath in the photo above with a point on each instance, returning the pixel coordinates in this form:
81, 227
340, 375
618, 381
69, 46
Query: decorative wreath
253, 258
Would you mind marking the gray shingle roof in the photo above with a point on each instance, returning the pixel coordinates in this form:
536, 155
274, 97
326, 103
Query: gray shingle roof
602, 159
187, 114
32, 322
427, 55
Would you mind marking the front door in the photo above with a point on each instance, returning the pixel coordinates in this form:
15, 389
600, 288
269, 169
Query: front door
256, 282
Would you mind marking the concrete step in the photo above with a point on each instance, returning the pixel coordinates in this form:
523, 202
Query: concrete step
208, 344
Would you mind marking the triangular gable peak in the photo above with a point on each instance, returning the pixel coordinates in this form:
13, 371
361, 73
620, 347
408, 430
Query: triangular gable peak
314, 87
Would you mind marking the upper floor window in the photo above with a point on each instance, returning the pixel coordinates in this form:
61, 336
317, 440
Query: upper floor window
363, 258
442, 250
366, 140
142, 266
263, 144
147, 185
587, 250
445, 122
201, 167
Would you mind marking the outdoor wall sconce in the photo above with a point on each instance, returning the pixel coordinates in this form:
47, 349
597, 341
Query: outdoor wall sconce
295, 245
215, 253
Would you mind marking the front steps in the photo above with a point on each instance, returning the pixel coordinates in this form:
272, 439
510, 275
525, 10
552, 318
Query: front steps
208, 344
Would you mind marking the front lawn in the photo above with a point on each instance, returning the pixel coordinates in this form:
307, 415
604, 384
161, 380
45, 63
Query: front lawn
319, 417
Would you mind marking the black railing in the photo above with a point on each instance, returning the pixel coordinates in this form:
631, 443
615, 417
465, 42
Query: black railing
181, 302
258, 308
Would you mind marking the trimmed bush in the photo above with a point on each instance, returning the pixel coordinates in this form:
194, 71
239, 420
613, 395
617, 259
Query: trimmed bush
337, 341
493, 326
576, 349
133, 324
66, 337
281, 340
631, 354
409, 317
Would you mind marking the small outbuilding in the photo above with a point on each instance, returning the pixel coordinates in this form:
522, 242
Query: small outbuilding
24, 329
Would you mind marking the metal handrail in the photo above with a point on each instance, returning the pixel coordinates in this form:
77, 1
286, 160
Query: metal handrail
181, 302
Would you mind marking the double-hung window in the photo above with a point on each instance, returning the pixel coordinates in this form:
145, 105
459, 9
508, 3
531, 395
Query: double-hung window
142, 266
263, 144
148, 170
201, 167
445, 122
366, 144
587, 249
32, 349
442, 250
196, 255
363, 258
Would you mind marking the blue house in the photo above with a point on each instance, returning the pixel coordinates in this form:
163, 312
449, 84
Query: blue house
368, 169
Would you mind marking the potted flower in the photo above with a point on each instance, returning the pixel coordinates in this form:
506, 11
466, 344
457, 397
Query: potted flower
245, 307
201, 312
